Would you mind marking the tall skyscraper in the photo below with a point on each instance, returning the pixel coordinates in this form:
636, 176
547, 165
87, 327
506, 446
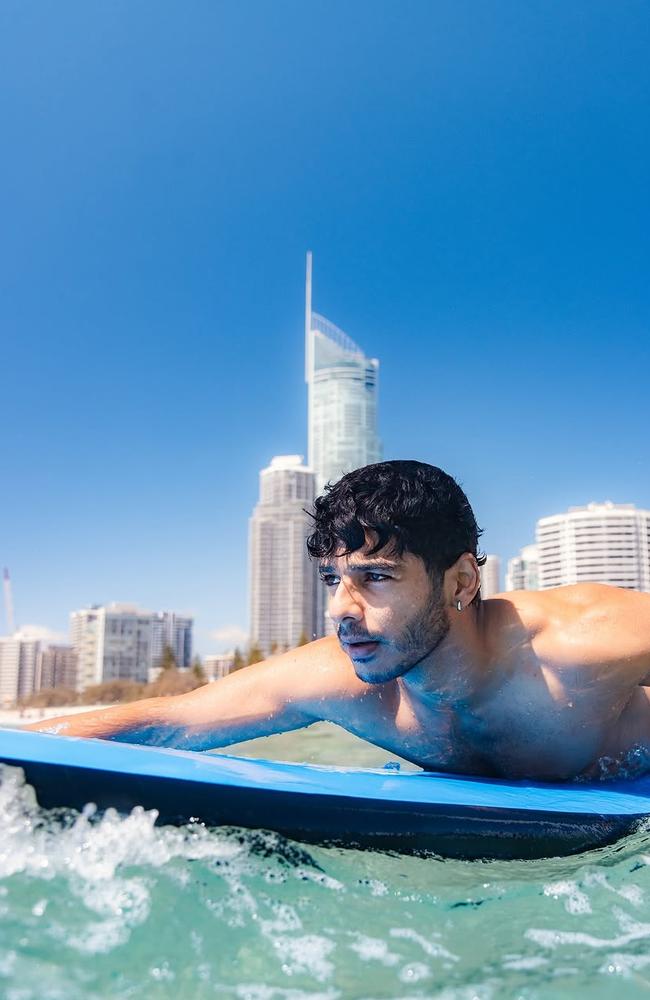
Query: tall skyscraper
342, 388
282, 578
602, 543
490, 576
522, 572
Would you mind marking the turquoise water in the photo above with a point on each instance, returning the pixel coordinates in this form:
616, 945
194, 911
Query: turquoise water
113, 906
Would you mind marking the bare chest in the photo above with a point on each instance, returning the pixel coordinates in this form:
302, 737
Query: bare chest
525, 727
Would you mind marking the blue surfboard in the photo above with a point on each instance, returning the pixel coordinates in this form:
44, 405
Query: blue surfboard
450, 815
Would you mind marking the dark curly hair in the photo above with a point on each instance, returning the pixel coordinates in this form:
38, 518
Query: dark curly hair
405, 506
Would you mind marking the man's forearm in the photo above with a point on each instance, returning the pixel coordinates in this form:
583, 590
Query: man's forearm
273, 696
147, 721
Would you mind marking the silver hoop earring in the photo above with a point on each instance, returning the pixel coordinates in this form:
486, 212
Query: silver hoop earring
459, 606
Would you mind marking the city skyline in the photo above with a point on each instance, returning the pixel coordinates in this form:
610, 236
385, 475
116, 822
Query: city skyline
479, 218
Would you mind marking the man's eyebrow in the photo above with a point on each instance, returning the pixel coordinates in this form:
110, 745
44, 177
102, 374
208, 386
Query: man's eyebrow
371, 567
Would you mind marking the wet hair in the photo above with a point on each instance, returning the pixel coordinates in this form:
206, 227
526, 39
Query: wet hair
402, 506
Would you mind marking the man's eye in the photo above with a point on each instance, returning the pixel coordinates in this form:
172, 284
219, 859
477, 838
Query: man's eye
329, 579
377, 577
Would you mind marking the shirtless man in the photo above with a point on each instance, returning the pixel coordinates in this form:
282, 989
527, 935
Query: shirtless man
541, 685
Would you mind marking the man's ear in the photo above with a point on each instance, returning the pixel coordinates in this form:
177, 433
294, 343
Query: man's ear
467, 578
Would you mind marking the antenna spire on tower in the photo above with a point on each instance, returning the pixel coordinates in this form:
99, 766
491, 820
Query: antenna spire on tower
308, 337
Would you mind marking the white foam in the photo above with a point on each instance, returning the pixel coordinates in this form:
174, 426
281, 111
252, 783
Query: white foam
632, 931
577, 901
626, 965
414, 972
630, 893
525, 964
370, 949
259, 991
429, 946
308, 953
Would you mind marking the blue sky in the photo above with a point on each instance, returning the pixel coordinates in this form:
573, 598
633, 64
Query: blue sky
473, 181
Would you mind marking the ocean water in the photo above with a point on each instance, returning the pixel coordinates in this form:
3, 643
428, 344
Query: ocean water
114, 906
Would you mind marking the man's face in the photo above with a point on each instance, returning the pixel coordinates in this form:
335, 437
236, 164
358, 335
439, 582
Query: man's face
387, 613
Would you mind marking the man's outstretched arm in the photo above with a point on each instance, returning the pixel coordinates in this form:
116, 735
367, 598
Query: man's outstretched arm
277, 695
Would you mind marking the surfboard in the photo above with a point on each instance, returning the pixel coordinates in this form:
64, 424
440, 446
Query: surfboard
420, 812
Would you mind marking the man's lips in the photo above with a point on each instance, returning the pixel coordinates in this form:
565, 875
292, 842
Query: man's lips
360, 647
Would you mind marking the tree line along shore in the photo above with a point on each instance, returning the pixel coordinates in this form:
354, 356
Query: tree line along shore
171, 680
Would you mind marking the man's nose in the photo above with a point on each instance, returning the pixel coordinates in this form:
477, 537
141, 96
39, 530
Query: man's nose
344, 604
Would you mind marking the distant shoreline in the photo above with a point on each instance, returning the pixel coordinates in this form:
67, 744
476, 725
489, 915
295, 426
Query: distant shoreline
15, 717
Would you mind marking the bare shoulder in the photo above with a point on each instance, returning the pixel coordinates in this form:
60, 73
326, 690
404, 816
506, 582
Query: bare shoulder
594, 623
588, 621
537, 609
597, 604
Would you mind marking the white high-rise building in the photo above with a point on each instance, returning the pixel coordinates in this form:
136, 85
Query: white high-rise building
342, 398
86, 628
112, 642
218, 665
57, 667
282, 578
20, 658
602, 543
173, 630
522, 572
490, 576
9, 667
30, 649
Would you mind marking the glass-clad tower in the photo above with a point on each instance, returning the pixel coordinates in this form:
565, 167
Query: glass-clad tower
342, 398
342, 388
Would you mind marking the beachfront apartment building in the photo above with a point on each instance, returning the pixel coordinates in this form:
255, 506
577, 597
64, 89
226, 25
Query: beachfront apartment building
9, 668
29, 663
522, 572
281, 575
218, 665
490, 576
170, 629
120, 641
112, 642
18, 665
56, 667
601, 542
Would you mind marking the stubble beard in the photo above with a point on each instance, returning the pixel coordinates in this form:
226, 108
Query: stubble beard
418, 639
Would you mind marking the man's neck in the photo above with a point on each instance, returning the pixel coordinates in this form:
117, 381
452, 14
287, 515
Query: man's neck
454, 670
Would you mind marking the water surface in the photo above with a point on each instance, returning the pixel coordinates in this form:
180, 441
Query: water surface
114, 906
